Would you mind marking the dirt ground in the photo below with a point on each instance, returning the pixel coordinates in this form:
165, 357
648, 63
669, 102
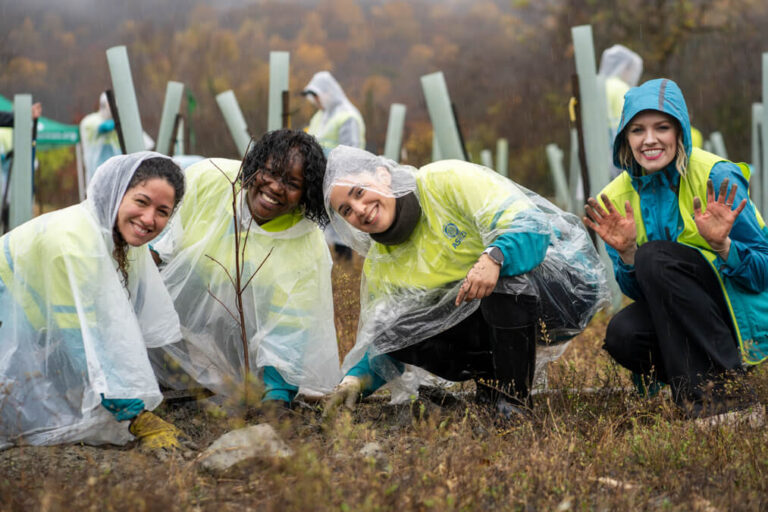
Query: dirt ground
589, 444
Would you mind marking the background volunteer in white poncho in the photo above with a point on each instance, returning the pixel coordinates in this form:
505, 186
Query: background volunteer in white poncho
80, 302
289, 303
336, 122
460, 266
621, 68
99, 138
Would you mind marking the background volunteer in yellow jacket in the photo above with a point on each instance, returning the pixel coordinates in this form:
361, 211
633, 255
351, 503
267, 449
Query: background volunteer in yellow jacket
694, 261
460, 265
80, 302
288, 304
337, 121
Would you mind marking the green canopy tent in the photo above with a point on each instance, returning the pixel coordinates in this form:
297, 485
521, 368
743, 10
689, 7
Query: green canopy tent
51, 134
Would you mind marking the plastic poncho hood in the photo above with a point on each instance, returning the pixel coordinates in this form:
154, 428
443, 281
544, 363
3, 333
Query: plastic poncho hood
70, 333
330, 94
288, 305
346, 166
621, 62
662, 95
408, 289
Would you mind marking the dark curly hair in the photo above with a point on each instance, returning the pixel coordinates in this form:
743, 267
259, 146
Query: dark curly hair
283, 146
157, 167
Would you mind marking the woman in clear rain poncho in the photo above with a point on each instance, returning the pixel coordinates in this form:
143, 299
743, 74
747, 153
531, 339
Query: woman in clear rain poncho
288, 305
693, 261
80, 302
462, 270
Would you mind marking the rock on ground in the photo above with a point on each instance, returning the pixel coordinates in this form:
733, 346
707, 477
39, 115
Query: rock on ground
257, 441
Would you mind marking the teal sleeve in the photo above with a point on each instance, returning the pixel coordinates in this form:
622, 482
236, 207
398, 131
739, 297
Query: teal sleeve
276, 386
106, 126
371, 379
123, 408
522, 251
525, 247
624, 274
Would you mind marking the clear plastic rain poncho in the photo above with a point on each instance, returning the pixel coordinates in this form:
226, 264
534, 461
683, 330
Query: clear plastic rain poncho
69, 331
98, 145
288, 305
338, 121
621, 68
621, 62
99, 138
408, 290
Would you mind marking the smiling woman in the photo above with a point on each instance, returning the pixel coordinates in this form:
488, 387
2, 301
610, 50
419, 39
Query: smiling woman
73, 343
462, 267
366, 202
653, 139
144, 211
289, 304
693, 262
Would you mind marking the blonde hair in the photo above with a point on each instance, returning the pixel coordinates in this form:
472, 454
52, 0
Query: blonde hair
628, 162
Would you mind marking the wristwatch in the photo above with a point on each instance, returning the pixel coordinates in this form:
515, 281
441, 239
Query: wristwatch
495, 254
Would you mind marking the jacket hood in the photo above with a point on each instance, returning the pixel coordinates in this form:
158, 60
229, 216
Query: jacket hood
662, 95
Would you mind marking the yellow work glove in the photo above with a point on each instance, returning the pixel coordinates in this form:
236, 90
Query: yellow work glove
155, 433
346, 393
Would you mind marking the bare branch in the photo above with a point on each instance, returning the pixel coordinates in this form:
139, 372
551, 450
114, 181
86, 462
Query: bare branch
257, 270
223, 268
223, 305
221, 171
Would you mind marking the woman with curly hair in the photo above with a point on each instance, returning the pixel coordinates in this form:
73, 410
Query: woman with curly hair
80, 302
288, 305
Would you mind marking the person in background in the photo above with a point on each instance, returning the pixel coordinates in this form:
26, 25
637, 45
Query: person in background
80, 302
690, 248
6, 118
621, 68
463, 272
100, 139
337, 121
288, 305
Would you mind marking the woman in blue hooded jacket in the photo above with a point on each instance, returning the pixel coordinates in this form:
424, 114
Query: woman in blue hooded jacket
695, 262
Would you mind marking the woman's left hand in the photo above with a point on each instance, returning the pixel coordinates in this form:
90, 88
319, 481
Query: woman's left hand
480, 281
715, 224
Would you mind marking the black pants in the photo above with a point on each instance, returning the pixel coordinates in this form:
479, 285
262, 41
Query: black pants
681, 329
497, 343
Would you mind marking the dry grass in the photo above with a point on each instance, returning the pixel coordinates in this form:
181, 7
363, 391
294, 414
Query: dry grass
599, 450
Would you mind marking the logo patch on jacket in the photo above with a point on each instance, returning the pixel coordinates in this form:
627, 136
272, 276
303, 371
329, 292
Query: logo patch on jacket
452, 231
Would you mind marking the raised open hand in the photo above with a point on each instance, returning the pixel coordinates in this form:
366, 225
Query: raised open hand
614, 228
715, 224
